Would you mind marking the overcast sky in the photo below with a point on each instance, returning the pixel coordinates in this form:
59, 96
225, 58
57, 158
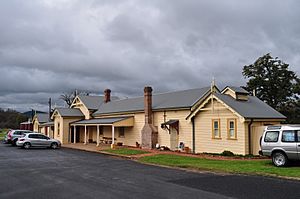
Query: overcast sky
49, 47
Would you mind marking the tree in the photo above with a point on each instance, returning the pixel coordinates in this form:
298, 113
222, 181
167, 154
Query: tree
69, 97
272, 80
275, 84
11, 119
292, 108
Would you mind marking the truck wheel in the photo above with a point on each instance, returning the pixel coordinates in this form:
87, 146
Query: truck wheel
279, 159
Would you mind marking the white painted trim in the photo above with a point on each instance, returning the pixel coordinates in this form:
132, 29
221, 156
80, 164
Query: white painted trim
113, 134
91, 124
98, 136
85, 134
74, 141
242, 119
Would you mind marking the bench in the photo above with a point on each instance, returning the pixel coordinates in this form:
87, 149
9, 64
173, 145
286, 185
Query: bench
106, 140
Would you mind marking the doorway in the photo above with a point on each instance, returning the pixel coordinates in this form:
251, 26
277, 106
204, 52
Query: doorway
173, 139
77, 134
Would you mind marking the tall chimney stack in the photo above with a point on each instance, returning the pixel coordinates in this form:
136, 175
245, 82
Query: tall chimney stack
149, 132
148, 104
107, 95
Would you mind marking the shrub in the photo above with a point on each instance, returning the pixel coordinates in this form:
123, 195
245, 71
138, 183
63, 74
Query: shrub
227, 153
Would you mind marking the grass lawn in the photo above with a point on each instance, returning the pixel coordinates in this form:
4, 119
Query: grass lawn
258, 167
126, 151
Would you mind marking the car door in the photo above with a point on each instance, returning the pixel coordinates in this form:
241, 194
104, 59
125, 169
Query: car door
44, 141
34, 140
40, 140
289, 144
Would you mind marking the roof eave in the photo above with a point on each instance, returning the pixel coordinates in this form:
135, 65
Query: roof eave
273, 118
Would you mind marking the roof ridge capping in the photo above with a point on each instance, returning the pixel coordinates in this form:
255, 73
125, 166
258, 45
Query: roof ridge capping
167, 100
167, 92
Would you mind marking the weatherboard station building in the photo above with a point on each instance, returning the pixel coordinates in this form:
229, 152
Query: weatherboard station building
43, 124
203, 120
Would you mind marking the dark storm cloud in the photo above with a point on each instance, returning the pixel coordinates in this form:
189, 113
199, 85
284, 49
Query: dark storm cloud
48, 47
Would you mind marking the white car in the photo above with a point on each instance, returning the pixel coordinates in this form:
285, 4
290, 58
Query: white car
37, 140
282, 143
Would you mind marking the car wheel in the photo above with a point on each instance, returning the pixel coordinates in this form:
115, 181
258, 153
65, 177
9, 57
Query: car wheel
54, 145
279, 159
26, 145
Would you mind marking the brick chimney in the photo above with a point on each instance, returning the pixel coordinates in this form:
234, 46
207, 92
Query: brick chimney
148, 104
107, 95
149, 132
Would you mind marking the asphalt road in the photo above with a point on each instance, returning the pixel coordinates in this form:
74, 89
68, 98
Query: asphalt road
71, 174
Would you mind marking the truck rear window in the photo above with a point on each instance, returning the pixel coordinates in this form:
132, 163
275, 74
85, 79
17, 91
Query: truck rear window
271, 136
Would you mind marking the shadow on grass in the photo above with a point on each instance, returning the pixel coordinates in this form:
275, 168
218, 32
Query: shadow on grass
293, 163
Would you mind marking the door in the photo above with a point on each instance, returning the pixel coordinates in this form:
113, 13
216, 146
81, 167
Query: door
173, 139
77, 134
289, 144
90, 134
256, 134
51, 130
72, 135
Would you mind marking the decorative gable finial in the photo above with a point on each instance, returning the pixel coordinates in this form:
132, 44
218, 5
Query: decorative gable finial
213, 85
212, 89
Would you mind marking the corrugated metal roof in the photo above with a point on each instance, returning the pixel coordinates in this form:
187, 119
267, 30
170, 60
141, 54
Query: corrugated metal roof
93, 102
42, 117
177, 99
70, 112
252, 108
101, 121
